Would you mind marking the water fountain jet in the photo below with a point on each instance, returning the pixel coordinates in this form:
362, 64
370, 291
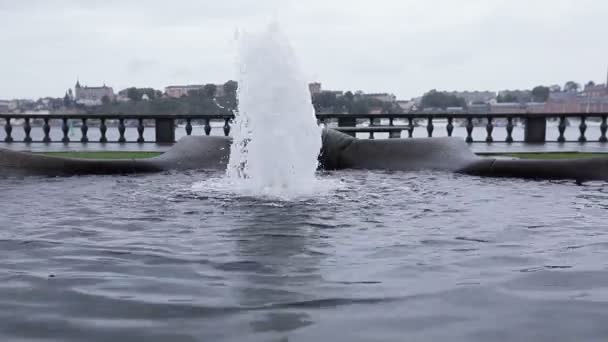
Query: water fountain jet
274, 105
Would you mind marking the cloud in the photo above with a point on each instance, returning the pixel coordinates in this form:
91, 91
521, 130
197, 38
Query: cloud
401, 46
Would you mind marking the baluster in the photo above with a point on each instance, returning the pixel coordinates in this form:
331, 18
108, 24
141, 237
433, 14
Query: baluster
140, 130
207, 126
103, 129
583, 128
9, 130
430, 127
371, 124
84, 129
489, 129
603, 129
46, 128
410, 132
226, 127
121, 130
450, 126
390, 122
509, 130
66, 129
562, 129
27, 129
470, 126
189, 126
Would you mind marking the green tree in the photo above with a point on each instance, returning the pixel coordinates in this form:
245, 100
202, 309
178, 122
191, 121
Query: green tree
67, 101
230, 88
105, 100
210, 90
507, 98
196, 93
148, 91
134, 94
229, 101
540, 94
324, 100
359, 107
443, 100
349, 96
572, 87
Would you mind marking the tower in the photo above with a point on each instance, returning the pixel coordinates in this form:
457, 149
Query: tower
77, 91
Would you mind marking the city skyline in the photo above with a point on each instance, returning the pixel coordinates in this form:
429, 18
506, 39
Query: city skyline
165, 89
402, 47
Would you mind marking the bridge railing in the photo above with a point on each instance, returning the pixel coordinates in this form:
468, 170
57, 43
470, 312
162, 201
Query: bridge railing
535, 126
164, 126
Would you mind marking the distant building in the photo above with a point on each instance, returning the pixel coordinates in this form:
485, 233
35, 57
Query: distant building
481, 108
590, 104
535, 107
4, 106
507, 108
454, 109
315, 88
475, 97
383, 97
599, 90
22, 105
335, 92
178, 91
405, 105
578, 104
563, 102
13, 105
376, 110
521, 96
182, 90
593, 99
92, 96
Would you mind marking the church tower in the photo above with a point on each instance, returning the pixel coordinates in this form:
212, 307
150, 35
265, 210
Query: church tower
77, 91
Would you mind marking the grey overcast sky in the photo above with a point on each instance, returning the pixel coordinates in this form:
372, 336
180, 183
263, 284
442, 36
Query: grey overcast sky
402, 46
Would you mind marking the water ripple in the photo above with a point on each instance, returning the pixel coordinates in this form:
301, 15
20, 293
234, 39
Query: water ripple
378, 256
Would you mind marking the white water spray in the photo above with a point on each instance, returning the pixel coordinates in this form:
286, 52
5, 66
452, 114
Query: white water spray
276, 136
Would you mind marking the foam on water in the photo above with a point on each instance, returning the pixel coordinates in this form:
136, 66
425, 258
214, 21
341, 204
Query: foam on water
276, 136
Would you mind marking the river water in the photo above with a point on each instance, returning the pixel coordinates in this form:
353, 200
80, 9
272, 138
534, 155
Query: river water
377, 257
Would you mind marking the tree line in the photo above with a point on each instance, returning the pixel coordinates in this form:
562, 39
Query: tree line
443, 100
350, 103
150, 101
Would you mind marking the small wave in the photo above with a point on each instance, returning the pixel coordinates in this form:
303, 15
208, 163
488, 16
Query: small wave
249, 266
228, 188
463, 238
333, 302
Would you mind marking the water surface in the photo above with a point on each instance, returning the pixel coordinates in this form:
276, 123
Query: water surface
382, 256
